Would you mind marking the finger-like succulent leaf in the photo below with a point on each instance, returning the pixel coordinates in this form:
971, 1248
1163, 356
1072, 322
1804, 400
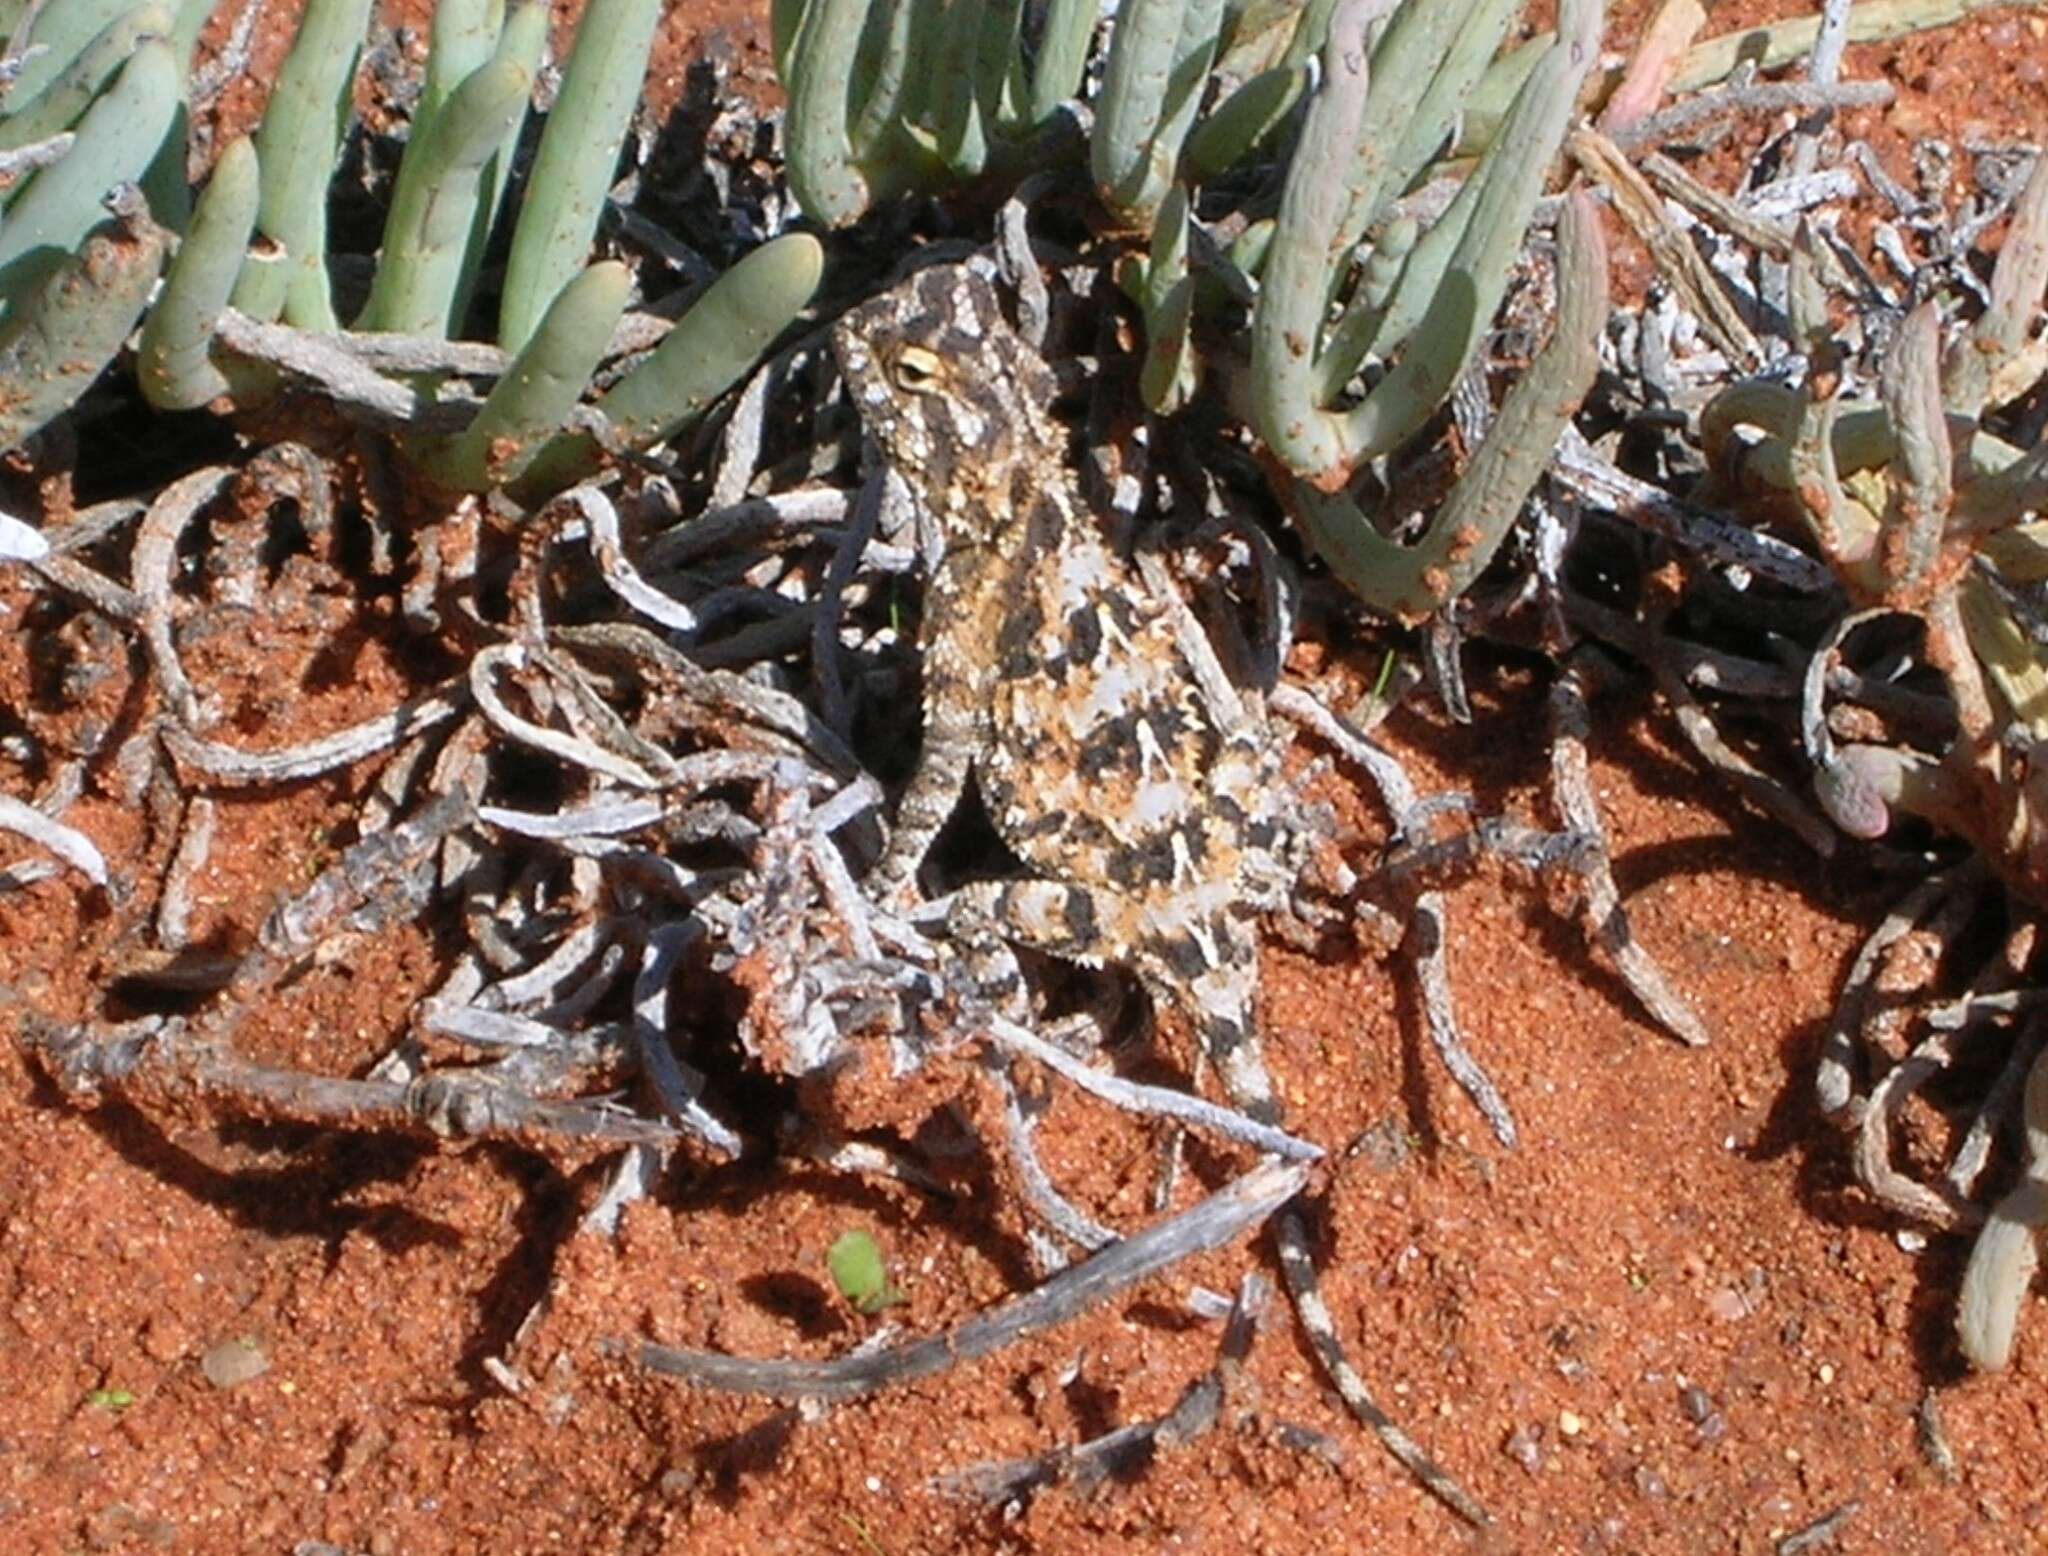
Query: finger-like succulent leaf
579, 151
1923, 485
56, 38
60, 337
174, 363
1159, 55
542, 386
1062, 55
434, 206
60, 104
697, 361
297, 144
2018, 280
827, 182
1411, 581
120, 136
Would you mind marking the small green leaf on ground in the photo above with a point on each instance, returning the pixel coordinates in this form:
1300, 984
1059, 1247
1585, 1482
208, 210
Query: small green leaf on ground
860, 1274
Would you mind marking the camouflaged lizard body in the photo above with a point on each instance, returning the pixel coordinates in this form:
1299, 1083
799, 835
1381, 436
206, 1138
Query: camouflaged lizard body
1060, 684
1152, 819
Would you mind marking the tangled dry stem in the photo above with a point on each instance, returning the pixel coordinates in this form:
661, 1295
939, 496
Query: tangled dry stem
695, 681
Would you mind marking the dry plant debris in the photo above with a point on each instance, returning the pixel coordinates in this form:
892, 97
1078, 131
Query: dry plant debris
651, 801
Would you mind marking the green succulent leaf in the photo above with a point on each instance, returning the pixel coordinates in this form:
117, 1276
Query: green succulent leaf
123, 132
705, 353
579, 152
174, 363
58, 339
297, 144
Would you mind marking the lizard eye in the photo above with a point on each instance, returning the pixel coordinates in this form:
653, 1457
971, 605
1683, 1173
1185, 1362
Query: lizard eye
915, 369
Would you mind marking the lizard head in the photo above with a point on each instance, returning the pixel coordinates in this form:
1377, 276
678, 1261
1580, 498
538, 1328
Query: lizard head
953, 395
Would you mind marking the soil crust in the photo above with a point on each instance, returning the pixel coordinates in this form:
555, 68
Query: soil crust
1664, 1323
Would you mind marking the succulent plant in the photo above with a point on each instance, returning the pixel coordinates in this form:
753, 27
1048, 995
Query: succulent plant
1928, 518
579, 149
72, 277
1426, 312
59, 337
1347, 284
696, 361
887, 96
1411, 580
174, 365
1921, 509
1450, 282
124, 131
114, 76
65, 63
446, 194
2008, 1249
297, 146
1152, 82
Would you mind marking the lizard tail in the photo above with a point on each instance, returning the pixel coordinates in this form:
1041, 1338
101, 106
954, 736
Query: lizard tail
1227, 1037
1297, 1267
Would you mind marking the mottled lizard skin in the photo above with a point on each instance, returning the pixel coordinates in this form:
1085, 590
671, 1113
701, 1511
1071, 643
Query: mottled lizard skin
1152, 825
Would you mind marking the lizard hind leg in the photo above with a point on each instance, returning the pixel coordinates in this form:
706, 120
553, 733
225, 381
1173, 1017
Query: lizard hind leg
1211, 969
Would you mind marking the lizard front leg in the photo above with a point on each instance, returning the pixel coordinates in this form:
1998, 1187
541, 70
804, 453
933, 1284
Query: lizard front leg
956, 733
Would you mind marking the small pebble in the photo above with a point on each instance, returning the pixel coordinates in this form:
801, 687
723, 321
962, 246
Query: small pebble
1911, 1241
1525, 1447
1727, 1305
1696, 1403
1570, 1423
234, 1362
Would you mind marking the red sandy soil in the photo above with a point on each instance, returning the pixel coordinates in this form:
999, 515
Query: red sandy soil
1665, 1323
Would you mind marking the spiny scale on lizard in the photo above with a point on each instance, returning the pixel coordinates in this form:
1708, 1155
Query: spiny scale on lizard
1153, 828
